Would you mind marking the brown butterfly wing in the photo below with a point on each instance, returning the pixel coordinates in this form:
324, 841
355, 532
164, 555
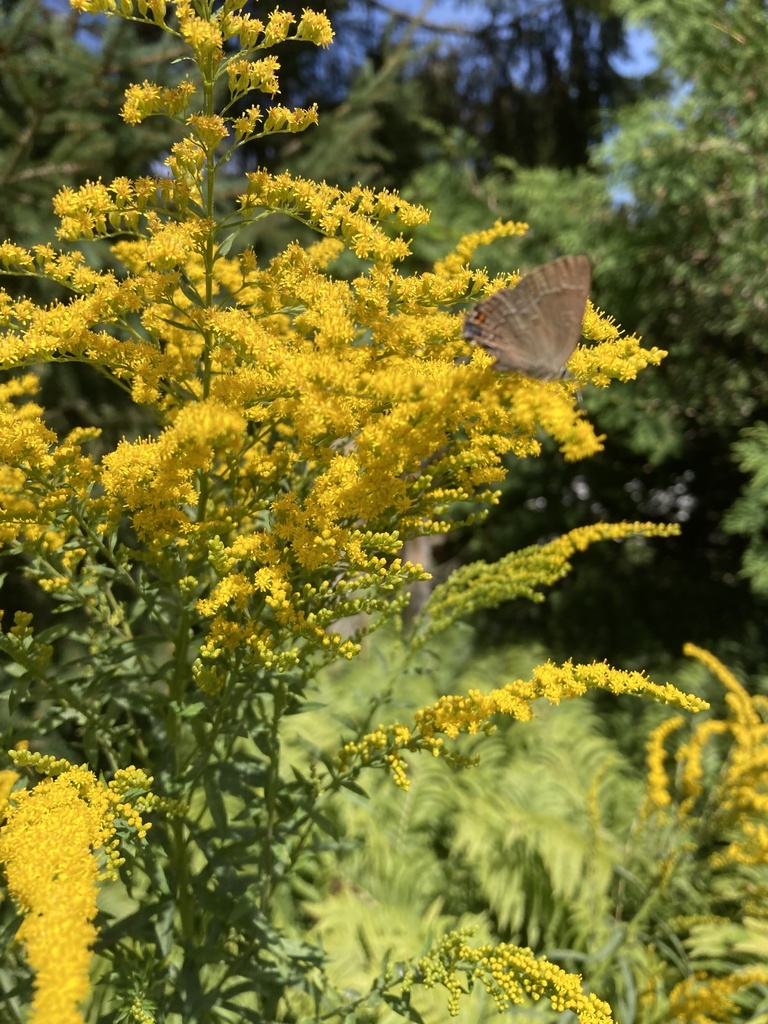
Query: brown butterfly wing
534, 327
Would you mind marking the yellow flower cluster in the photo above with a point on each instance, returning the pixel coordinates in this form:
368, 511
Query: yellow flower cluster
465, 250
522, 573
97, 210
617, 357
142, 101
8, 779
658, 784
245, 76
114, 809
350, 214
46, 847
453, 715
279, 119
20, 643
512, 975
394, 433
206, 36
702, 999
737, 803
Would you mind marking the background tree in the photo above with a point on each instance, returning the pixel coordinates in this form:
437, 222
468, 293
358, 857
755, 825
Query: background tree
529, 81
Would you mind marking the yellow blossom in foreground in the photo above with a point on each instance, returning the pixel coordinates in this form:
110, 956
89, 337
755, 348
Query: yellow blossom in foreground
616, 357
298, 421
315, 27
142, 101
47, 848
331, 210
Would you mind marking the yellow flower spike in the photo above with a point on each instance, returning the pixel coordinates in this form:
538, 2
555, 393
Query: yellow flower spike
511, 975
49, 836
736, 794
453, 715
47, 847
690, 756
658, 792
742, 702
521, 573
468, 244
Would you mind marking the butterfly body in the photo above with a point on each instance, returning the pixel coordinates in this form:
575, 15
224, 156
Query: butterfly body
534, 327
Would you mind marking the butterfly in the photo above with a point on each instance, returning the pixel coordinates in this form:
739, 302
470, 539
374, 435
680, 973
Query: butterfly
534, 327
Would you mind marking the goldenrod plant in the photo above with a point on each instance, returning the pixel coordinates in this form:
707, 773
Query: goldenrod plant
649, 881
696, 875
305, 427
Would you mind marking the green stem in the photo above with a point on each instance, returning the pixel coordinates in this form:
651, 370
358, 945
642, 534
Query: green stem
270, 798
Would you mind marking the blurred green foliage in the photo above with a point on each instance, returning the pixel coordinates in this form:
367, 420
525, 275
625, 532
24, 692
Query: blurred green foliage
749, 513
545, 842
